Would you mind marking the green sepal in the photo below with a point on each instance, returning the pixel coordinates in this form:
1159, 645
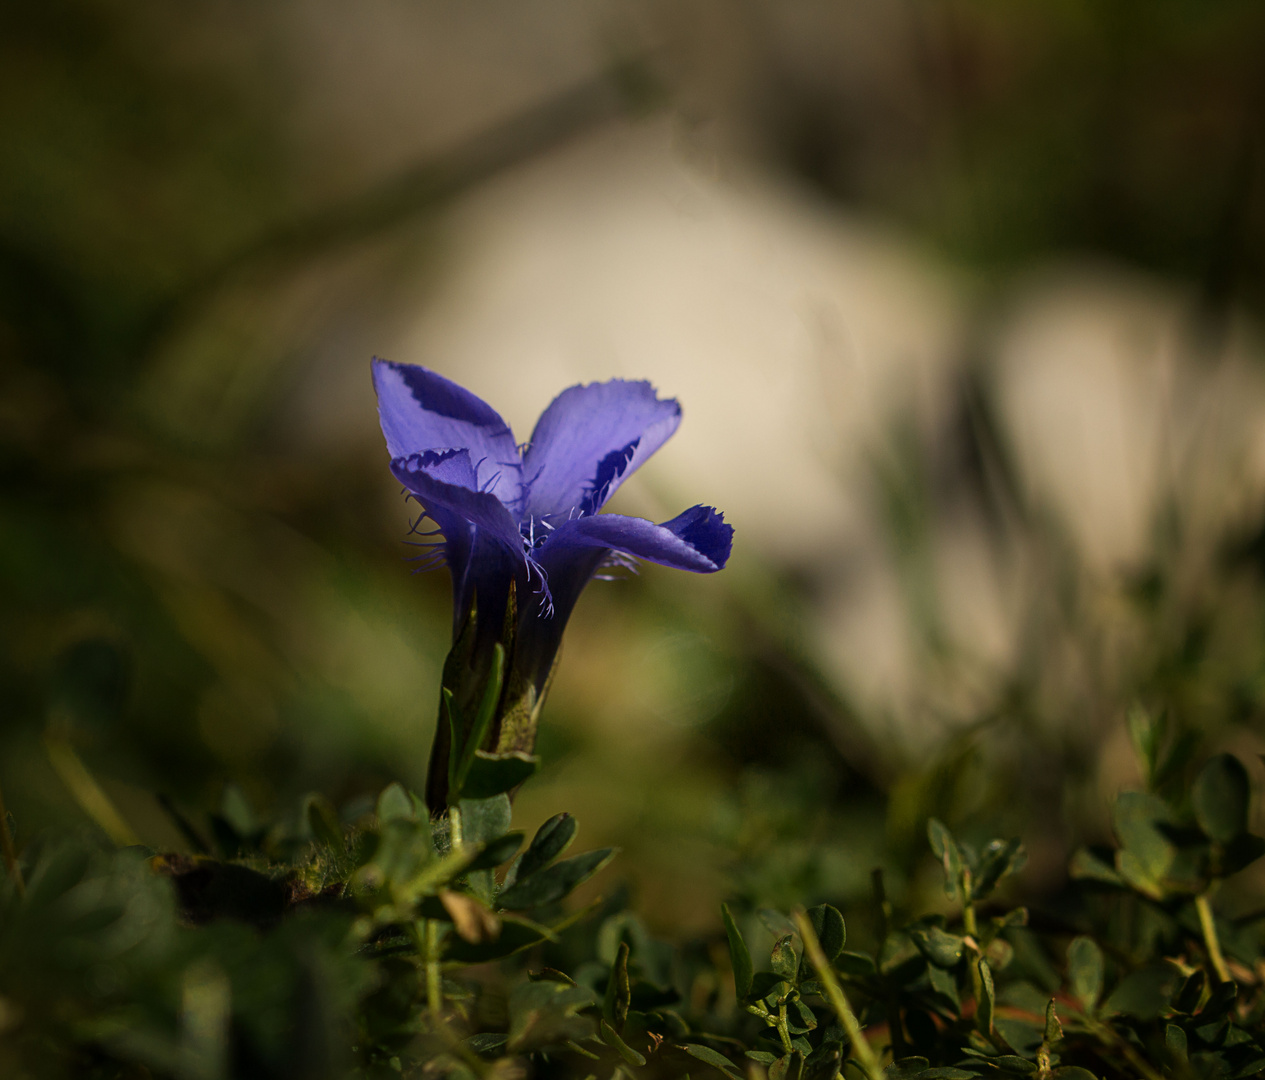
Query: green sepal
478, 731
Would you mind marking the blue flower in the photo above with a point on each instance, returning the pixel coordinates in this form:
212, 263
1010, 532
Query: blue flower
520, 528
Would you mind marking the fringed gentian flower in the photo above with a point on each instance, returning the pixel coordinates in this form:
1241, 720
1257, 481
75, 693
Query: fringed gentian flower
520, 532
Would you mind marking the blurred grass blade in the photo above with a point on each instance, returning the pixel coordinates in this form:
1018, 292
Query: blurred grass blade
10, 853
87, 792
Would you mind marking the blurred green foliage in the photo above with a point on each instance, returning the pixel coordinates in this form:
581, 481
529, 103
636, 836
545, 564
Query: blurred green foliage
188, 598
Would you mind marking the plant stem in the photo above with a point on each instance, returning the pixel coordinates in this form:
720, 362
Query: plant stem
783, 1031
968, 920
10, 854
861, 1048
1211, 942
434, 984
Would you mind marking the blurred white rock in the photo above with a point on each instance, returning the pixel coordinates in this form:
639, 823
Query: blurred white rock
796, 335
1112, 405
790, 333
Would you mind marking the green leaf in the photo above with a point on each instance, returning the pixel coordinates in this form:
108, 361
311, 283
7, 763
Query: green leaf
1084, 972
1072, 1072
550, 841
800, 1018
1175, 1043
940, 947
987, 1005
1053, 1029
1147, 854
1146, 733
1086, 866
739, 955
480, 822
404, 848
618, 990
492, 774
944, 985
486, 1042
710, 1057
238, 813
1220, 796
830, 929
546, 1013
947, 851
766, 985
554, 882
394, 803
782, 959
1144, 993
999, 859
1175, 757
498, 851
484, 820
611, 1038
789, 1067
1187, 998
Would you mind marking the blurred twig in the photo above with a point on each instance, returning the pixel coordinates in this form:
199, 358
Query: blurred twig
424, 186
10, 854
833, 992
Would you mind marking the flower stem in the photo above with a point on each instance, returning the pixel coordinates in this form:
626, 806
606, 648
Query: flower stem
1211, 942
861, 1048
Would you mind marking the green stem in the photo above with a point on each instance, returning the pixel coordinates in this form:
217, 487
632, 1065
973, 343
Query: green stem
1211, 942
10, 853
783, 1030
968, 921
971, 928
434, 982
861, 1048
